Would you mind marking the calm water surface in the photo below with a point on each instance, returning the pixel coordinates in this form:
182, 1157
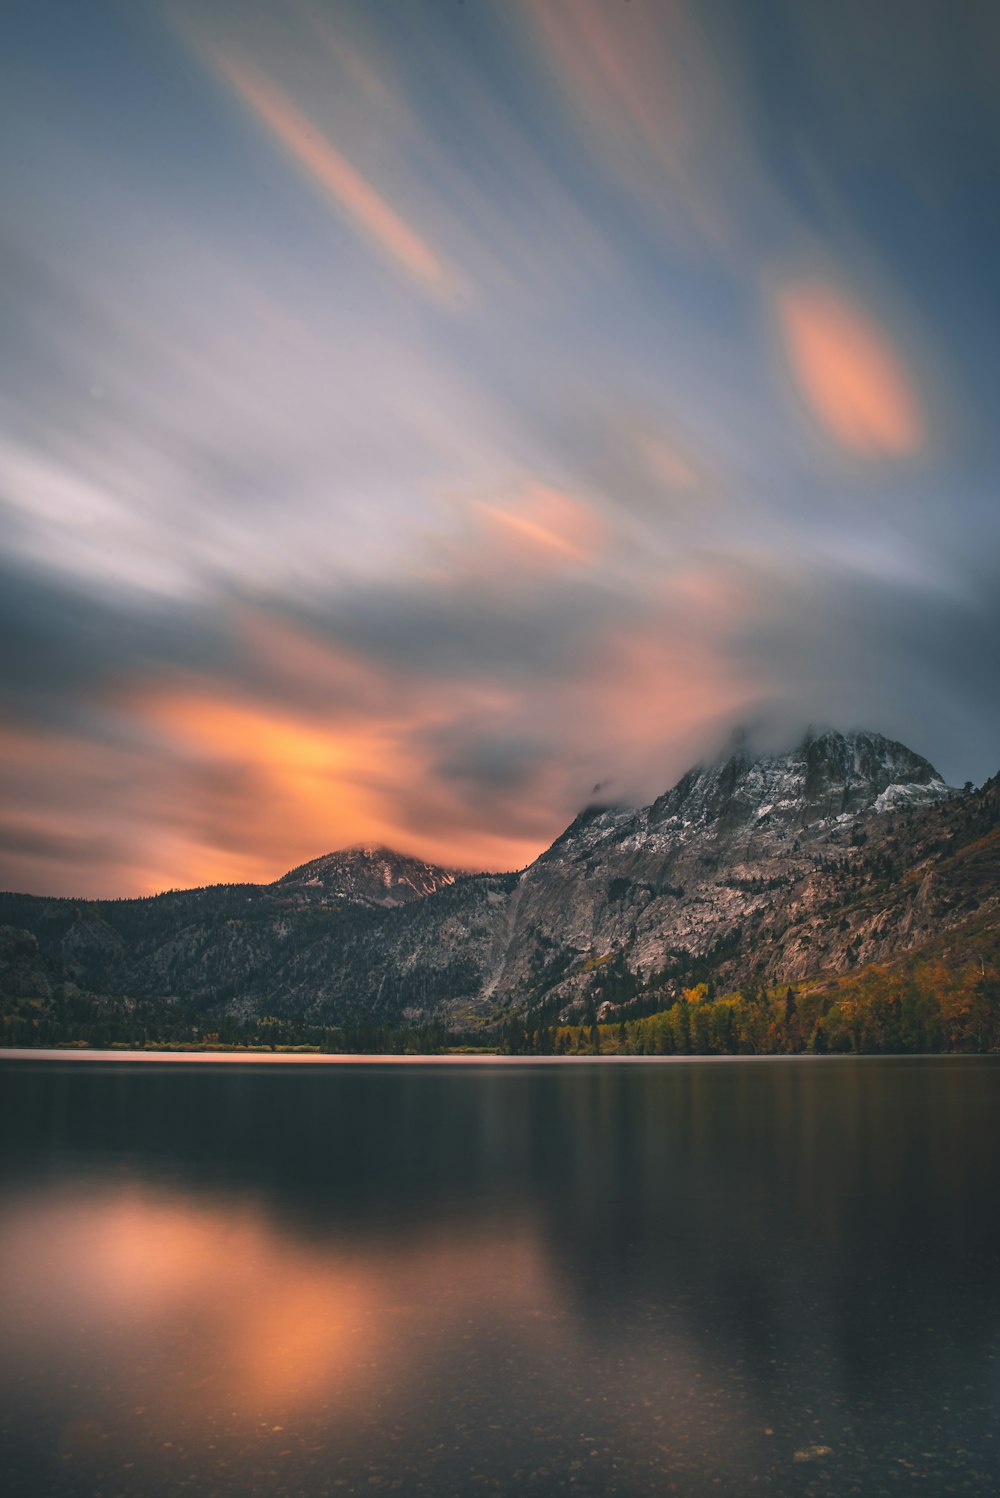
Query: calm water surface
696, 1278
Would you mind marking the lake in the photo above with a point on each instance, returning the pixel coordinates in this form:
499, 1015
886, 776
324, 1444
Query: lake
776, 1276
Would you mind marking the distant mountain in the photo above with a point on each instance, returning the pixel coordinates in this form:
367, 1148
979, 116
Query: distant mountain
755, 869
365, 876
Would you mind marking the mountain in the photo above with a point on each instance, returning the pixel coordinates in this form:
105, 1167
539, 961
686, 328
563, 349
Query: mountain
730, 857
754, 869
364, 876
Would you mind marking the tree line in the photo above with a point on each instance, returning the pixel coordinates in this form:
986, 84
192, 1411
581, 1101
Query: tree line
917, 1007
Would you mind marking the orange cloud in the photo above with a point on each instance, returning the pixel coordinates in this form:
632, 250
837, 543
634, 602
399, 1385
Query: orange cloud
199, 778
325, 165
329, 749
848, 372
658, 693
296, 782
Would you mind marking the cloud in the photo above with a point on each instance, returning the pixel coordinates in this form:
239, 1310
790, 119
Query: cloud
546, 525
322, 162
652, 98
474, 743
301, 734
848, 372
291, 559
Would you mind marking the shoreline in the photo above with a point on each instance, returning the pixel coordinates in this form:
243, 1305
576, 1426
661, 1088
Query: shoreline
371, 1058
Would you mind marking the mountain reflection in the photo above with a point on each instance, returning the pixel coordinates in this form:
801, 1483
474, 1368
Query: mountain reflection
589, 1279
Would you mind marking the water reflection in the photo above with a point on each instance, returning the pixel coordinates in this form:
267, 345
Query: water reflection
589, 1280
207, 1313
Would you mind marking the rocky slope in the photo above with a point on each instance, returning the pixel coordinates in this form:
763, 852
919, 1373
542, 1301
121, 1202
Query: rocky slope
846, 850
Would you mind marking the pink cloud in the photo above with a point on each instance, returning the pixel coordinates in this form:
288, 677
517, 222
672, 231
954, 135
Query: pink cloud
325, 165
848, 372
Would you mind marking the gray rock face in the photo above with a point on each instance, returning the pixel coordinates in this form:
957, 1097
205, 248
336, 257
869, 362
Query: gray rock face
763, 867
831, 776
709, 864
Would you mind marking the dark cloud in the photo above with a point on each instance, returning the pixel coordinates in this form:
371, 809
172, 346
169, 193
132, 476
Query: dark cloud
489, 764
18, 843
62, 649
500, 632
913, 661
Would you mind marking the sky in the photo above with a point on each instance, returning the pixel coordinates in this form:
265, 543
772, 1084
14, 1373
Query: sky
419, 420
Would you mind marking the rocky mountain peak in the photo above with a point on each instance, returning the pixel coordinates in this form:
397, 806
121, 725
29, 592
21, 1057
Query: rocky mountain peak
748, 797
829, 775
366, 874
870, 757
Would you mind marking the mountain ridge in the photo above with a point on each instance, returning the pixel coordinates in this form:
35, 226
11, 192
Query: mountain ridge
770, 867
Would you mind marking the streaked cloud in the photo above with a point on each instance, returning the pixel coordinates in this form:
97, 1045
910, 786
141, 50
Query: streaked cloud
546, 525
651, 96
331, 170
